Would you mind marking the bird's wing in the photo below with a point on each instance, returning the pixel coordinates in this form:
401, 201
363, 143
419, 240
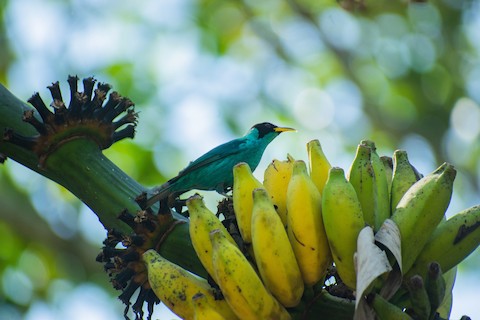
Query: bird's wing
218, 153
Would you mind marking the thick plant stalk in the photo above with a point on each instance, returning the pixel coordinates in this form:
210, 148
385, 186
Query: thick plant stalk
82, 168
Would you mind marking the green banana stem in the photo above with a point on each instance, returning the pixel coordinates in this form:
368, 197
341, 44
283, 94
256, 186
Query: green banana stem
11, 113
80, 166
330, 307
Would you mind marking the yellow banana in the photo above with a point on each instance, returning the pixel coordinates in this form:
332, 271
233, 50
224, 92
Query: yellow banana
343, 219
240, 284
362, 177
404, 176
276, 179
243, 185
175, 287
451, 242
305, 226
202, 222
319, 165
388, 165
421, 209
205, 311
382, 211
385, 310
274, 255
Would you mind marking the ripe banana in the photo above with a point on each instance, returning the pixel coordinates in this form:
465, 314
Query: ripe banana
319, 165
383, 196
404, 176
421, 209
203, 310
451, 242
202, 222
240, 284
276, 179
274, 255
343, 219
175, 287
305, 226
362, 177
243, 185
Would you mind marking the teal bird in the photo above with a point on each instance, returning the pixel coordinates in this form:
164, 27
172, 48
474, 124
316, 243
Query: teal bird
214, 170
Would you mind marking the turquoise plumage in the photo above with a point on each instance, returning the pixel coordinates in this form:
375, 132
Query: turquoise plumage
213, 170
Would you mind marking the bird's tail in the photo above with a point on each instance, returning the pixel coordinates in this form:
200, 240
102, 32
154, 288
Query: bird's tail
160, 193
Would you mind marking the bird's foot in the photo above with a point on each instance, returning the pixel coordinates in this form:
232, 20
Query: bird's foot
178, 205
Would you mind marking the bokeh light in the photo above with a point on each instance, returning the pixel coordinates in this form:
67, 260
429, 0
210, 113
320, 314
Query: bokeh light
403, 75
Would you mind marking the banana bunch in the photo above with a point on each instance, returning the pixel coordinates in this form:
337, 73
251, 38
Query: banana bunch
300, 227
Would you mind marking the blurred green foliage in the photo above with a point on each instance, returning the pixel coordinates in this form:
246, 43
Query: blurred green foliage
404, 74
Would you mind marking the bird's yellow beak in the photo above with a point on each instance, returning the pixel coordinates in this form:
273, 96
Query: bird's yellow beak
283, 129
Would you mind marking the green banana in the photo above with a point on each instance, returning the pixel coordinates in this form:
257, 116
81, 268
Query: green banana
240, 284
451, 242
404, 176
445, 307
176, 287
319, 165
274, 255
385, 310
383, 196
343, 220
419, 298
243, 185
421, 209
202, 222
436, 286
362, 177
305, 225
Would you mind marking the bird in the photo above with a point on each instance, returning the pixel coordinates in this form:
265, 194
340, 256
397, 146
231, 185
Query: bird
214, 170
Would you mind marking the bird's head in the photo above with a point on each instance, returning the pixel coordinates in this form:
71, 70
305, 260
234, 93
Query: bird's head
267, 130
